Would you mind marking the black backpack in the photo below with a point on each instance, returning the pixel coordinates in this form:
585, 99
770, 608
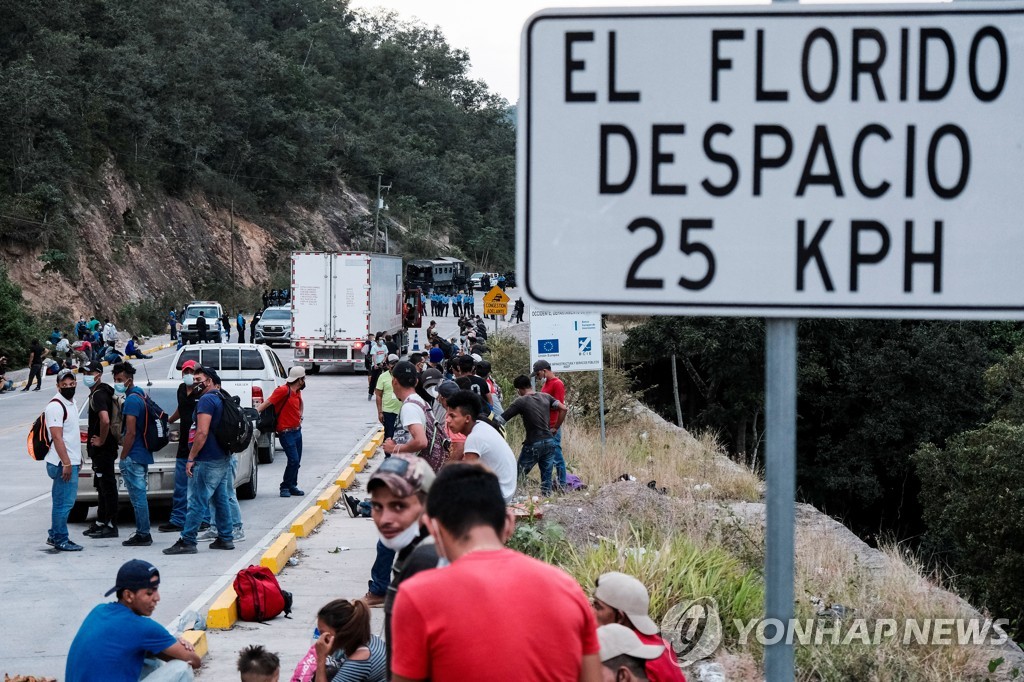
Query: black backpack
234, 431
155, 430
39, 440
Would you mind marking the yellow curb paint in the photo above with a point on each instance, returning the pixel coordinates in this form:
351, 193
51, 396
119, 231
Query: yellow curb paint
329, 497
369, 450
276, 557
347, 477
310, 519
358, 462
223, 611
198, 640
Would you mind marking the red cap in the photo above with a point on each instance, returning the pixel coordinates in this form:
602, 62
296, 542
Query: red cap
189, 364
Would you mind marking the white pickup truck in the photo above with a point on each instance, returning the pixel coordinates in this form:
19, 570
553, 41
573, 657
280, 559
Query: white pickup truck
256, 365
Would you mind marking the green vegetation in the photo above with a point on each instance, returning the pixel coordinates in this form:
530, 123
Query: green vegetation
265, 103
17, 328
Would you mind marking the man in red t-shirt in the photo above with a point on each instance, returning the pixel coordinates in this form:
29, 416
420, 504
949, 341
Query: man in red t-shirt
287, 402
554, 387
444, 621
622, 599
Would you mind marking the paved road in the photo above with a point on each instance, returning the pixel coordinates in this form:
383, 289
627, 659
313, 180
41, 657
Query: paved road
47, 594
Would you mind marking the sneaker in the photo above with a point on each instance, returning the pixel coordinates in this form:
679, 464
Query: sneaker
238, 534
181, 547
138, 540
351, 505
285, 492
368, 398
169, 528
296, 492
373, 600
96, 527
107, 532
207, 535
204, 525
222, 544
50, 542
67, 545
72, 550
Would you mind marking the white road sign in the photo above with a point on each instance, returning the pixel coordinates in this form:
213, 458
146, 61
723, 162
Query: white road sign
787, 160
571, 342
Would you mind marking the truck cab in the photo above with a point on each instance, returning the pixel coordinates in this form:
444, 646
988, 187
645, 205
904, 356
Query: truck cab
212, 311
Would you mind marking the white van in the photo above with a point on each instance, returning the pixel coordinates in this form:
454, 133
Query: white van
240, 362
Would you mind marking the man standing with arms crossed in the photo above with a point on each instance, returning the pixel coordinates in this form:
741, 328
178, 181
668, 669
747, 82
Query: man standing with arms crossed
554, 387
287, 402
135, 458
102, 448
63, 459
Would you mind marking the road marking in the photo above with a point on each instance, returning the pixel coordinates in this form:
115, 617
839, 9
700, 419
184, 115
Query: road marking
228, 577
11, 510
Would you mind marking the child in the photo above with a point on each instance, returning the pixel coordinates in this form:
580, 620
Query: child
256, 664
345, 636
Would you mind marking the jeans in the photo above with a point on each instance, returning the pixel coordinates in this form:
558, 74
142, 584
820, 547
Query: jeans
134, 476
380, 573
389, 423
64, 494
204, 486
36, 371
541, 453
559, 459
179, 502
291, 441
106, 485
155, 670
228, 488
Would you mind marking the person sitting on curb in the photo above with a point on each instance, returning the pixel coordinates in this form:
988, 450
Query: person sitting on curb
132, 350
118, 640
256, 664
623, 655
622, 599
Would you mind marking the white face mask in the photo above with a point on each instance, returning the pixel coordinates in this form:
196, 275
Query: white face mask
187, 379
403, 539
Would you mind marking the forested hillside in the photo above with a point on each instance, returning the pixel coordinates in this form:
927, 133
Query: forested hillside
910, 431
242, 110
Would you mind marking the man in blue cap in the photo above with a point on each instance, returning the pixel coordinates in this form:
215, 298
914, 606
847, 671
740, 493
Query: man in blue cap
119, 642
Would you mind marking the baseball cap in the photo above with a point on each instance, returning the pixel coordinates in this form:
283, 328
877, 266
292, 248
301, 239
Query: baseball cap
392, 358
93, 368
295, 373
627, 594
64, 374
189, 364
405, 372
618, 640
403, 474
135, 575
540, 366
430, 378
446, 389
476, 357
210, 372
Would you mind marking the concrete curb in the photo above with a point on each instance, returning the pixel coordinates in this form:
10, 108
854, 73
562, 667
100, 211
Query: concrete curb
223, 611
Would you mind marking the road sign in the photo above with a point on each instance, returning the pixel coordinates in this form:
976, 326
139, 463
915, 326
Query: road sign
571, 342
495, 308
496, 295
784, 161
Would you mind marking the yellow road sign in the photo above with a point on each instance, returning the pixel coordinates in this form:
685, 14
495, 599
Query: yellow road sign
496, 295
496, 308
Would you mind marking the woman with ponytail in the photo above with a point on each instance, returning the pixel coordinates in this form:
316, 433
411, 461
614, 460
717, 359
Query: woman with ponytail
345, 637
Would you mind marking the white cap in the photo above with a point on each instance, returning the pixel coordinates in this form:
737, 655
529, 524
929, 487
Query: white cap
627, 594
618, 640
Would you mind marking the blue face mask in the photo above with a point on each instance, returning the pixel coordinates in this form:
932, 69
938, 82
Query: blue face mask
89, 380
120, 388
187, 379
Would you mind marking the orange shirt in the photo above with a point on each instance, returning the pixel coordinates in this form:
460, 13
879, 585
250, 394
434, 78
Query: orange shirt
288, 405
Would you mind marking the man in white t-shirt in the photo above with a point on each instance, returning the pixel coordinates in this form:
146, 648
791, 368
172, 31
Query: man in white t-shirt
63, 459
483, 442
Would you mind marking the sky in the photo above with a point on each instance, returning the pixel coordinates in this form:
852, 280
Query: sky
490, 31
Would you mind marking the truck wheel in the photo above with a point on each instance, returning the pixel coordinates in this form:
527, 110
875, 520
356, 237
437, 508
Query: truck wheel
265, 453
78, 512
314, 369
247, 491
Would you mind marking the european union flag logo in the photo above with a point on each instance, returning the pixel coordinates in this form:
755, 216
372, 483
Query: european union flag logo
547, 346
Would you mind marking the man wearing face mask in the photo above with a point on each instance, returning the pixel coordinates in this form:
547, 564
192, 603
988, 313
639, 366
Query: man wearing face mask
188, 397
398, 493
102, 448
63, 459
443, 625
287, 402
135, 458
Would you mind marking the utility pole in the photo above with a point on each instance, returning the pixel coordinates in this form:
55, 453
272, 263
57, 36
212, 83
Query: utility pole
376, 215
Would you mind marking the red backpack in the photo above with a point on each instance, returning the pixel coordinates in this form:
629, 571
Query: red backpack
260, 597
